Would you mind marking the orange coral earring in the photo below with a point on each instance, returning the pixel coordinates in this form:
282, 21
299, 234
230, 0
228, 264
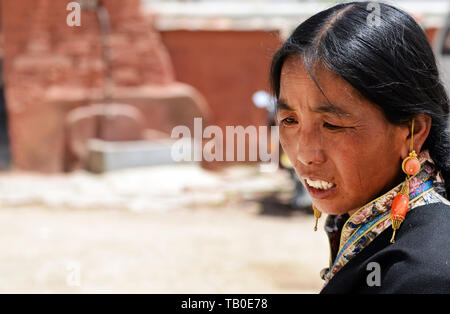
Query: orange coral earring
411, 167
317, 215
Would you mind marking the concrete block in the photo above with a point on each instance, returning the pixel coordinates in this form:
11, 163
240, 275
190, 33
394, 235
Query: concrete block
106, 155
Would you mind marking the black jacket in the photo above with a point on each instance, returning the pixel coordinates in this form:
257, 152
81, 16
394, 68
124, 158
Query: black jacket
418, 261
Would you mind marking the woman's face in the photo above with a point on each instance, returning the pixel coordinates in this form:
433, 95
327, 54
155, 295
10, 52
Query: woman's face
345, 153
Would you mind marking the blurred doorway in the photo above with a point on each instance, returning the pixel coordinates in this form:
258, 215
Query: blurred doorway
5, 156
4, 139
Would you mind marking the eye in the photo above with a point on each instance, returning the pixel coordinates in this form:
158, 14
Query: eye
332, 126
288, 121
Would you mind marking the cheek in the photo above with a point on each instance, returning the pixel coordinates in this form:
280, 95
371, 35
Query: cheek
354, 168
287, 141
350, 163
366, 167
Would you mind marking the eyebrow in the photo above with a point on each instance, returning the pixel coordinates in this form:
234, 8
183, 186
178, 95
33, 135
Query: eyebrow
322, 108
331, 108
282, 105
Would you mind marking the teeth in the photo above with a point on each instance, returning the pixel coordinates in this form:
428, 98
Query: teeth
319, 184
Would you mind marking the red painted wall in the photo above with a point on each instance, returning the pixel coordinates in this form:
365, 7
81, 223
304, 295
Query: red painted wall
227, 67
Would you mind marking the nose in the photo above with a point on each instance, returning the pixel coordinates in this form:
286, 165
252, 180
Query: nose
309, 149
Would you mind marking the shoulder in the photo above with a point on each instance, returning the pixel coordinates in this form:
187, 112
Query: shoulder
418, 262
425, 229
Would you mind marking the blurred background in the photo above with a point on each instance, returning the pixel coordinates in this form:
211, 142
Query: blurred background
91, 200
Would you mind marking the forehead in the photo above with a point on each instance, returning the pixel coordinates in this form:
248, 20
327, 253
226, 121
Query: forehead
294, 66
297, 86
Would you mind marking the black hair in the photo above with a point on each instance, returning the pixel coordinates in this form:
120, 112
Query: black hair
386, 57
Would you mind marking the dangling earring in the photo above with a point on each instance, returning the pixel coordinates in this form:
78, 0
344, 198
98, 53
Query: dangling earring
411, 167
317, 214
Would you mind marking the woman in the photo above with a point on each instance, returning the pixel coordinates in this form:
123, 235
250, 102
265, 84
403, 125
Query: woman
363, 117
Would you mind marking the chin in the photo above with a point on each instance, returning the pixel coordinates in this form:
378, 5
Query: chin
331, 209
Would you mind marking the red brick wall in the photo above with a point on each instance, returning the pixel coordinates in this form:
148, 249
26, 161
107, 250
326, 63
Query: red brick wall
41, 52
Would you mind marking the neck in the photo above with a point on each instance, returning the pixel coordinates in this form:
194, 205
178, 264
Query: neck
396, 181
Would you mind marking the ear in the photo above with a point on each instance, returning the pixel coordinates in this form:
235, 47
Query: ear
422, 126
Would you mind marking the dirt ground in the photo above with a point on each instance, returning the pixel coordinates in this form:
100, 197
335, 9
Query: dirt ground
174, 229
222, 250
